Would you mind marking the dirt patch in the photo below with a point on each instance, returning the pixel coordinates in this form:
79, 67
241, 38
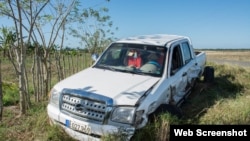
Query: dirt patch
10, 115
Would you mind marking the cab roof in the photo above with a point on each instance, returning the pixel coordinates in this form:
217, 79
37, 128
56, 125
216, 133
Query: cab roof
154, 39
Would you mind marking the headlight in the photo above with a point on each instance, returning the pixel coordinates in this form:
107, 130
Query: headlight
54, 97
123, 115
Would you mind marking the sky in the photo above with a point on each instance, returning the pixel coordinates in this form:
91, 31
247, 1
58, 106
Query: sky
210, 24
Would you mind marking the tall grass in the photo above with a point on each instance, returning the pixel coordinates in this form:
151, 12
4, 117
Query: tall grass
232, 102
227, 101
158, 130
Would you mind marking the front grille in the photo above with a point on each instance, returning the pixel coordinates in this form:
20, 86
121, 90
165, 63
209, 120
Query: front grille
84, 105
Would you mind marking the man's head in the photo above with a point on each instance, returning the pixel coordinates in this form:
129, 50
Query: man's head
153, 57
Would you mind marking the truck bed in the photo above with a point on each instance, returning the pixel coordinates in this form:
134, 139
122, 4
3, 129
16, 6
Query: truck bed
201, 59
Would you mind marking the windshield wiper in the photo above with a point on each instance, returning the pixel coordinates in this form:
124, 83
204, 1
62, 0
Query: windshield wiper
106, 67
132, 71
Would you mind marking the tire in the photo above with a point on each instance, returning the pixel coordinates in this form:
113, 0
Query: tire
209, 74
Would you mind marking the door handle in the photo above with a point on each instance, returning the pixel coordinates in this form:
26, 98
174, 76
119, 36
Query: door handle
184, 74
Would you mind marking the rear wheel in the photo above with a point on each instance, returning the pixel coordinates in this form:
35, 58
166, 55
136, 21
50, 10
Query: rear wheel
209, 74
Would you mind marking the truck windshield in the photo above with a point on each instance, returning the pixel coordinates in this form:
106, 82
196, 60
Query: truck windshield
134, 58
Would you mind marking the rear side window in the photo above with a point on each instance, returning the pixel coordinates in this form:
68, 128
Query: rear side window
186, 52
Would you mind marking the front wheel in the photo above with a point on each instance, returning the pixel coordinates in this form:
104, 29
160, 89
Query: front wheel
165, 108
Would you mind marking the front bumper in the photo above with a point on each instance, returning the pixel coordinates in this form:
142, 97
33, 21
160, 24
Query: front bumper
97, 130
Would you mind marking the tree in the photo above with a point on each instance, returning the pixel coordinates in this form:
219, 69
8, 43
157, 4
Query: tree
1, 94
94, 29
17, 48
7, 41
29, 18
57, 18
44, 24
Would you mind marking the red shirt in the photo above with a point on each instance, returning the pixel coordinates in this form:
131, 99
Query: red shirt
134, 61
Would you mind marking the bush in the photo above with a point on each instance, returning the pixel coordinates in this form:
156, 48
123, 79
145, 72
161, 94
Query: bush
10, 94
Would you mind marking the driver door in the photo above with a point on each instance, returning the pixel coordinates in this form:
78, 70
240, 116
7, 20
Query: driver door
178, 75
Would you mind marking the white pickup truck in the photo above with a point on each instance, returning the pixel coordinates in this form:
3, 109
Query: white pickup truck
130, 81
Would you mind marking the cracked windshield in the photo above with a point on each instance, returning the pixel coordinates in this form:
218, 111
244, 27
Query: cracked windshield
134, 58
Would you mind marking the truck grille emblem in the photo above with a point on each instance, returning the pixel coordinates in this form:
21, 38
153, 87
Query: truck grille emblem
79, 107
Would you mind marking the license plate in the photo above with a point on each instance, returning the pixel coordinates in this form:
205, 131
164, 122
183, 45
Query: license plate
78, 127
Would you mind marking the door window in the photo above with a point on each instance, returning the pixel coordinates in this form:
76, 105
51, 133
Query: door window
186, 52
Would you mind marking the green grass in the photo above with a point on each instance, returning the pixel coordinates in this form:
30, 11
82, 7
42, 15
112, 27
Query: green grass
226, 101
158, 129
231, 104
34, 126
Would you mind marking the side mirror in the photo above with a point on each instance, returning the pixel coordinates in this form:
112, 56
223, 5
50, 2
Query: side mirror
94, 56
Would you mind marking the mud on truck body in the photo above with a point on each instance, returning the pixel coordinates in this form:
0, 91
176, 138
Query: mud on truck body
128, 82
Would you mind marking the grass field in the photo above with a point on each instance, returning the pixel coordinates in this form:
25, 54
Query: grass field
226, 101
235, 58
230, 55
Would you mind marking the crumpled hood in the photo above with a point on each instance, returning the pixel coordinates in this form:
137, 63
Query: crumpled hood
123, 88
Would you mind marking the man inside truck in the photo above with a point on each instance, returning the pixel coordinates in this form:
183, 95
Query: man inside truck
153, 63
134, 59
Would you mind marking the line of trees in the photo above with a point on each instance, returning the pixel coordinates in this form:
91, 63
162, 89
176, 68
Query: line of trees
31, 19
